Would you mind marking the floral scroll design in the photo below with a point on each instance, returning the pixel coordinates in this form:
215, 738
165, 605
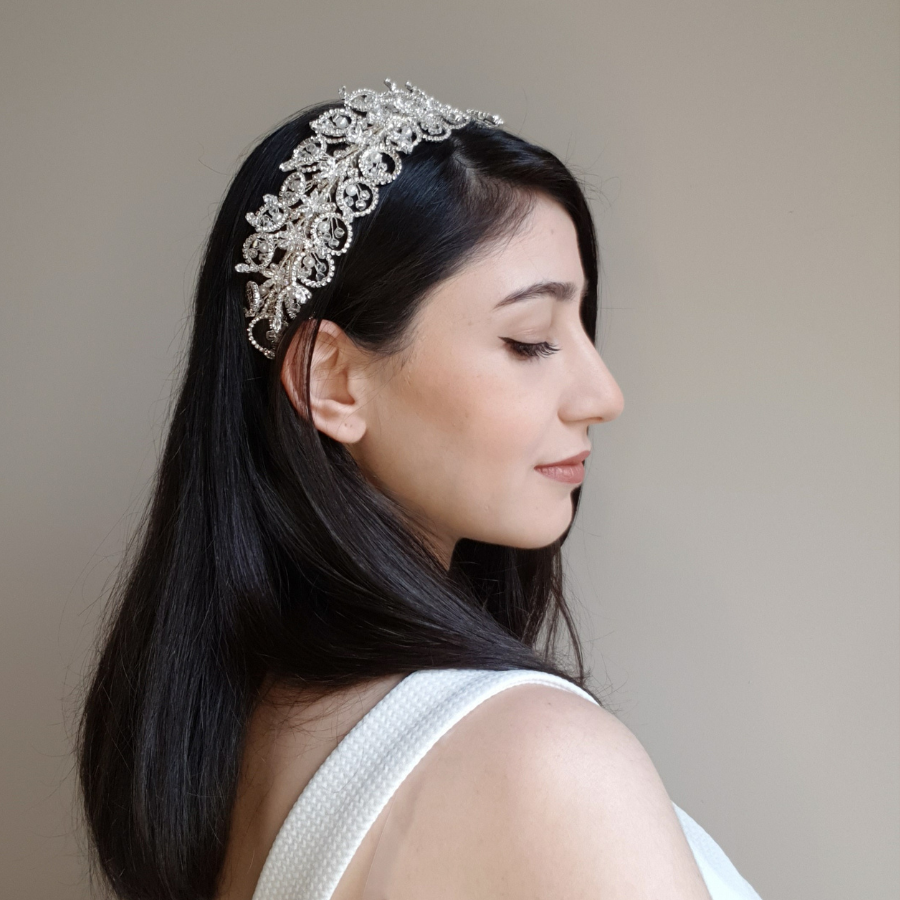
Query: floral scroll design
334, 177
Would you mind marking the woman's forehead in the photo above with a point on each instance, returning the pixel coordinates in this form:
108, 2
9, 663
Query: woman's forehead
543, 252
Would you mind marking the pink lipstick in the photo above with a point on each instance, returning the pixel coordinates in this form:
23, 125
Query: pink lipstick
570, 471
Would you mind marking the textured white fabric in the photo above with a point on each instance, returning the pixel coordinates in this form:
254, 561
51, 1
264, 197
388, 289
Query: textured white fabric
723, 881
349, 790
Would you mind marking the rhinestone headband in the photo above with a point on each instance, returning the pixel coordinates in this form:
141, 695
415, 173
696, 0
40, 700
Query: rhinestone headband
334, 178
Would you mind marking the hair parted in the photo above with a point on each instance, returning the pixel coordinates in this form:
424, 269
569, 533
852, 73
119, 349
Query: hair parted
265, 554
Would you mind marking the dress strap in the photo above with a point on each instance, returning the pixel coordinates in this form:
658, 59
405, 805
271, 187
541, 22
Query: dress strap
350, 789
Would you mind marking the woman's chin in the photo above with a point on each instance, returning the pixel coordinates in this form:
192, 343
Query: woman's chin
549, 529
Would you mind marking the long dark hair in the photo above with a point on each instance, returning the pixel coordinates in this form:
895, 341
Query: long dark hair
265, 554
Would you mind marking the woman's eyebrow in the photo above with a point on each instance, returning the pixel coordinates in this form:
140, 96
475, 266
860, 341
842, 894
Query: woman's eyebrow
560, 290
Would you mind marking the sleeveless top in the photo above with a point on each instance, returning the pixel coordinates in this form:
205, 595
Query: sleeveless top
348, 791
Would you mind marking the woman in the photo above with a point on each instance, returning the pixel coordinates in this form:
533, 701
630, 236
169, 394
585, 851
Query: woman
352, 554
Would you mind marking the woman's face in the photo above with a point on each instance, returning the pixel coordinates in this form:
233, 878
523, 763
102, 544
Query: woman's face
456, 428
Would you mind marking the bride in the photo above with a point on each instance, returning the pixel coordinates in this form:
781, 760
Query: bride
331, 669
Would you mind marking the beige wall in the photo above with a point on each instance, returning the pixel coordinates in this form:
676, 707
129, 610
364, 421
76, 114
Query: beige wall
737, 551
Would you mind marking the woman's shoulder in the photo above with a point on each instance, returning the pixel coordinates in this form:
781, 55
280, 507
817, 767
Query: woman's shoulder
535, 792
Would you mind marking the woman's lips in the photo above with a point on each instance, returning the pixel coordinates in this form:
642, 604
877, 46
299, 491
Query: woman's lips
570, 471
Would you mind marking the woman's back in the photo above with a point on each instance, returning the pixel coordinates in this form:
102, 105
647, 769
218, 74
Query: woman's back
527, 792
289, 737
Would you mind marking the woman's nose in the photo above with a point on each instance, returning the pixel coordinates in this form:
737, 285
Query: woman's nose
593, 395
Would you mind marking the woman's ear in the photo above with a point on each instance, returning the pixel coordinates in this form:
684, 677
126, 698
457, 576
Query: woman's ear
338, 386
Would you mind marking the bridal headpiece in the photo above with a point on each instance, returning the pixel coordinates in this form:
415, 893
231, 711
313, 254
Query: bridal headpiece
334, 178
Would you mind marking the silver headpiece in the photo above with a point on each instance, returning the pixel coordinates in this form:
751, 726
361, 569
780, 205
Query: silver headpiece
334, 178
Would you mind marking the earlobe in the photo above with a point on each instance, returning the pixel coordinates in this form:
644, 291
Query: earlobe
335, 385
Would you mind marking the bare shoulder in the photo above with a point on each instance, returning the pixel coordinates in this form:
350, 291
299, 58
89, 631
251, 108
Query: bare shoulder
536, 793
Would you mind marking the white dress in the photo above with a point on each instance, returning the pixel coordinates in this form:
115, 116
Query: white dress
348, 791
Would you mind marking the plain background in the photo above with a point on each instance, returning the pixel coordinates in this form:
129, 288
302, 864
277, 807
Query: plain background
735, 560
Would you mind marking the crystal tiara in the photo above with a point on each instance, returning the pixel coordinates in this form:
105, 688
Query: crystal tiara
334, 178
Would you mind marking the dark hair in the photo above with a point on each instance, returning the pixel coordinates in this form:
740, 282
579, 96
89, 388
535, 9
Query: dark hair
264, 552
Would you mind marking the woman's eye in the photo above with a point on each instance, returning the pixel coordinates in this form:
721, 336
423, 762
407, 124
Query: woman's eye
530, 351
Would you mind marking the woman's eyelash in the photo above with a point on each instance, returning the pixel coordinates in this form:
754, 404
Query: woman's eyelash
531, 350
